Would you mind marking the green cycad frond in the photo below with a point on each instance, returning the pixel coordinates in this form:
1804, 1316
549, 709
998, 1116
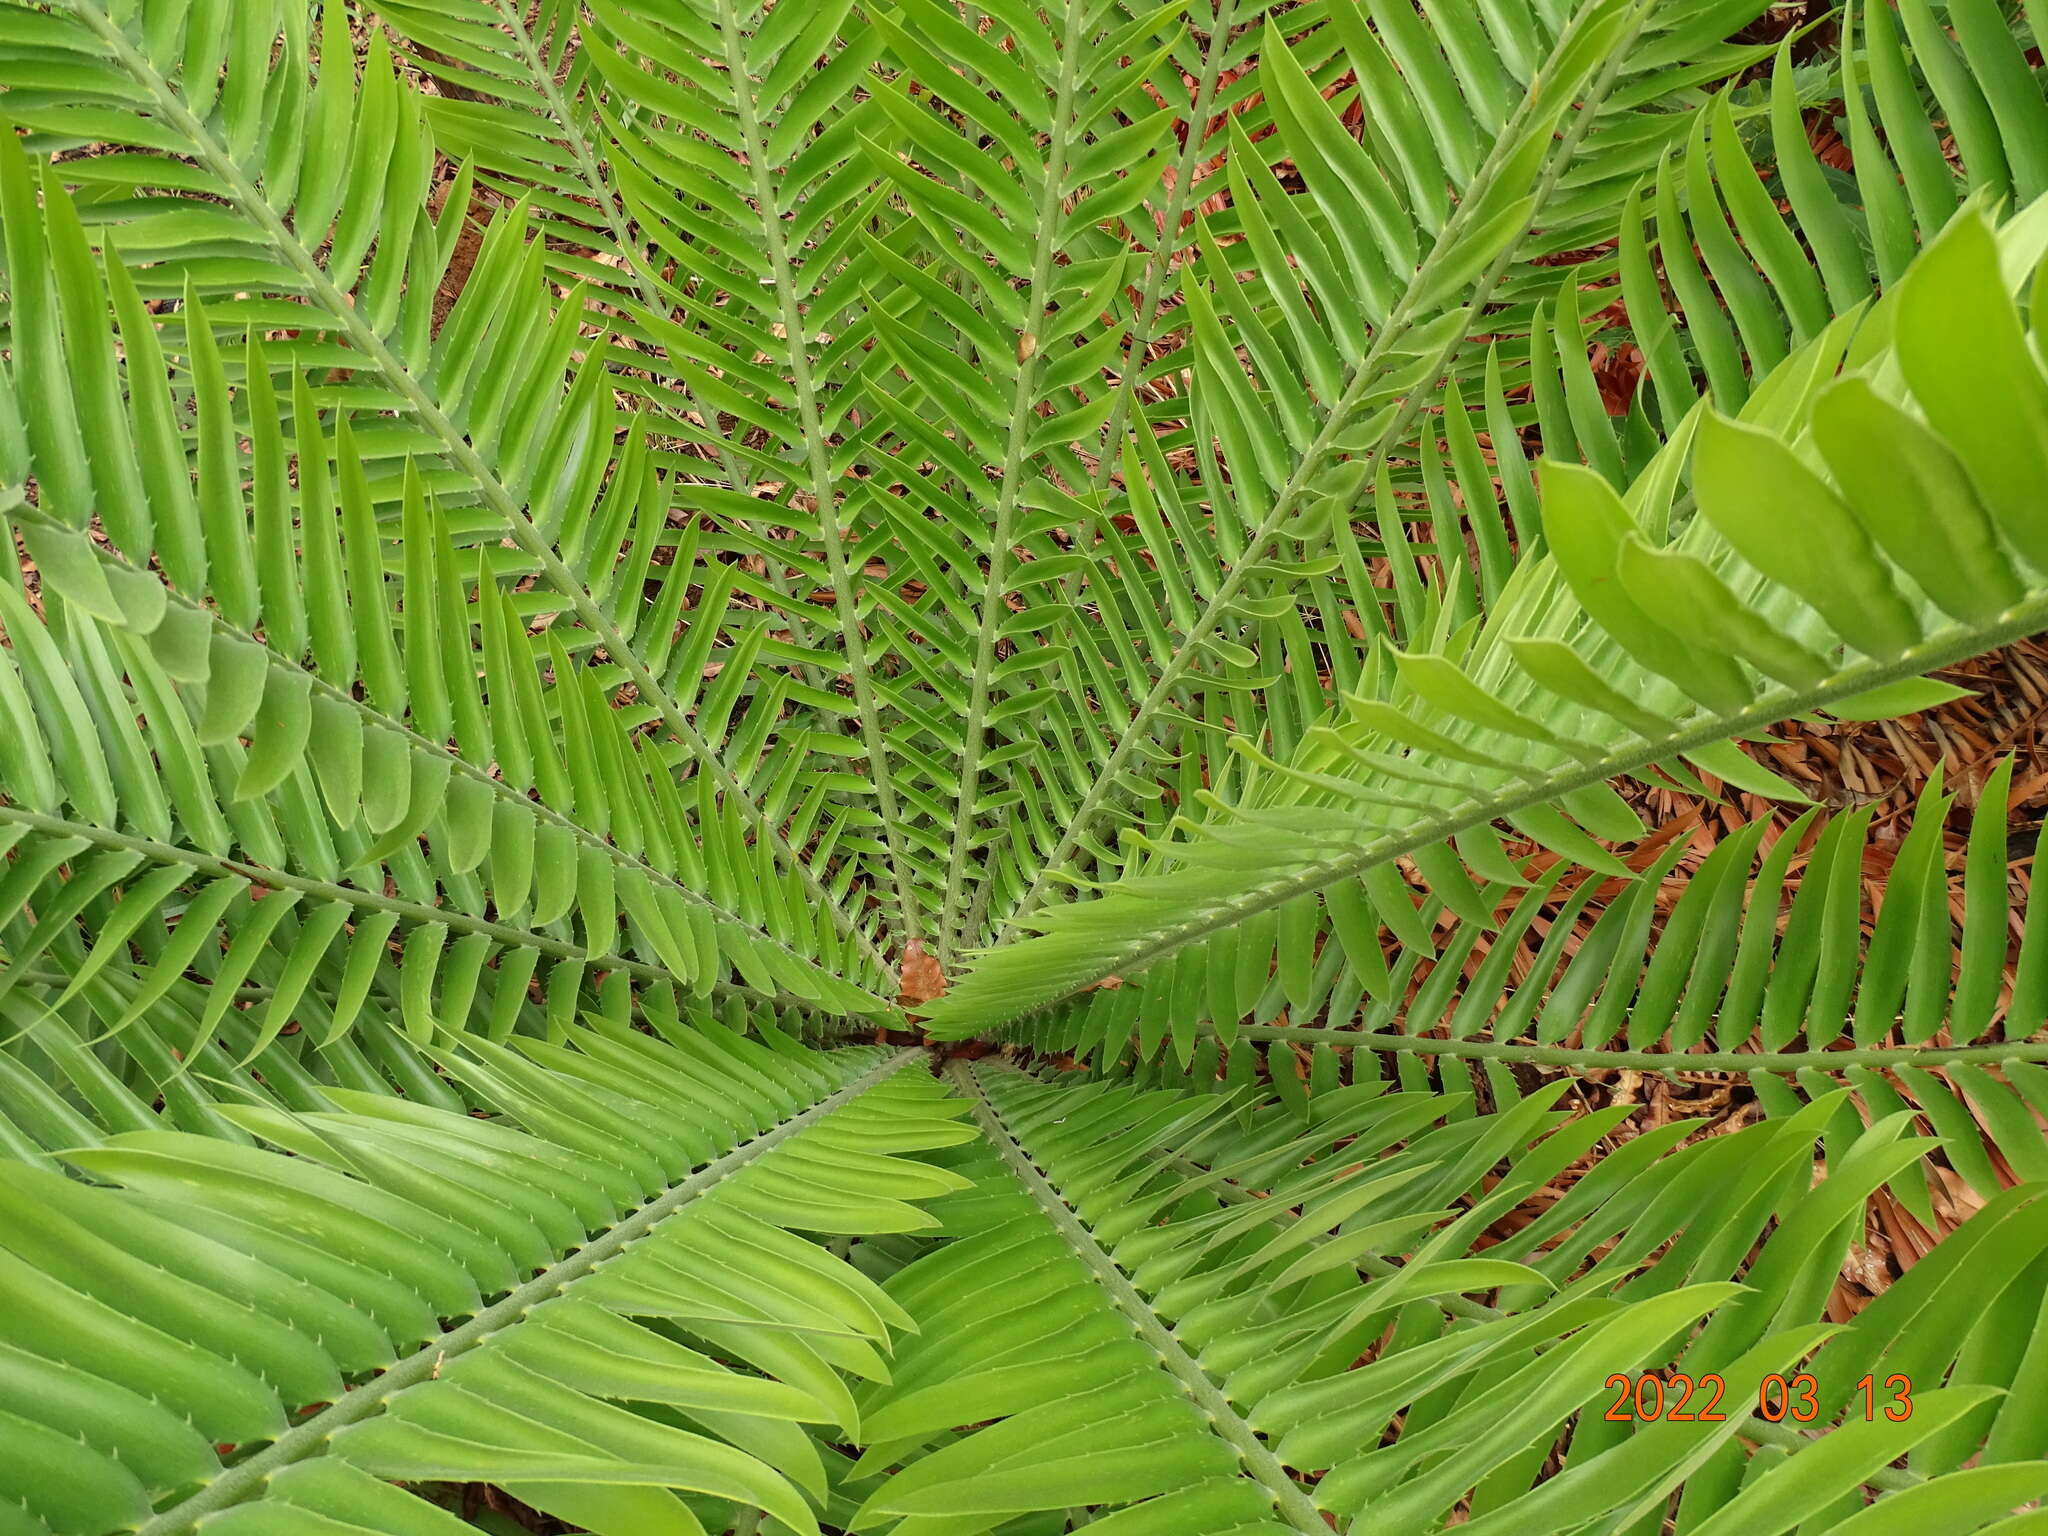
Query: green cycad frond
1783, 276
253, 1296
1761, 969
513, 101
759, 323
356, 780
1783, 589
1387, 295
1530, 369
1253, 1253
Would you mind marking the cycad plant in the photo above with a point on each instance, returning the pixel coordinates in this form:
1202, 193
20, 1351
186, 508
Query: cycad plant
589, 569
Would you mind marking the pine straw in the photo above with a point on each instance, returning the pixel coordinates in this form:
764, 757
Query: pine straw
1842, 766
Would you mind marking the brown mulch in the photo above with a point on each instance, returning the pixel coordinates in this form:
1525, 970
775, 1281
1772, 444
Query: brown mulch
1886, 764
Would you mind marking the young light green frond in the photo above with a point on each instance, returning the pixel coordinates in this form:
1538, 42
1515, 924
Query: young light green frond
1616, 649
1741, 250
1532, 370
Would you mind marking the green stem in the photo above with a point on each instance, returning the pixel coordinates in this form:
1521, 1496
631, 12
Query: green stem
1023, 417
244, 1478
1670, 1063
36, 976
1145, 315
